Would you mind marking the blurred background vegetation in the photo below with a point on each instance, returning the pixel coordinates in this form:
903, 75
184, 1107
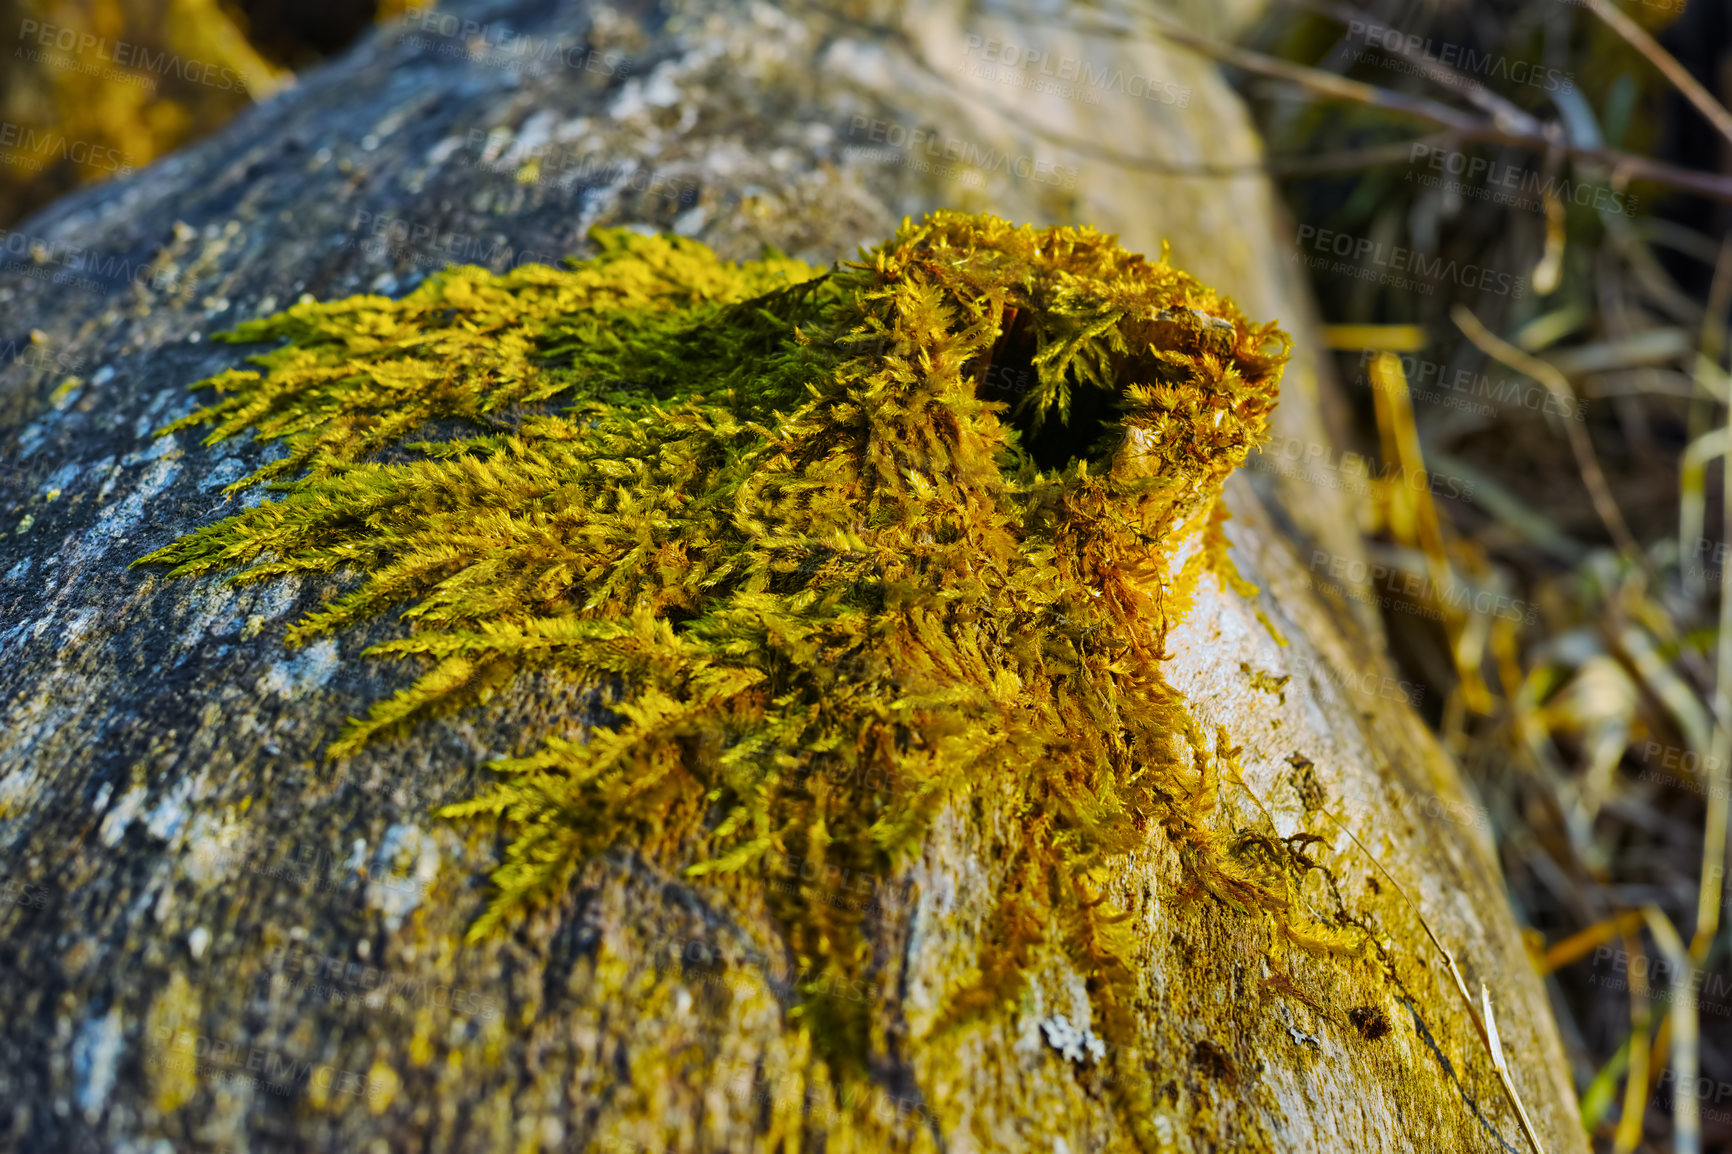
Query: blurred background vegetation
92, 88
1594, 722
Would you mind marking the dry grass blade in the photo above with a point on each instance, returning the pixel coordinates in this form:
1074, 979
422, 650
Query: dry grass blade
1379, 338
1572, 948
1686, 1116
1487, 1037
1550, 271
1505, 113
1713, 881
1629, 1133
1546, 138
1501, 1064
1680, 76
1460, 125
1558, 385
1712, 380
1671, 690
1693, 489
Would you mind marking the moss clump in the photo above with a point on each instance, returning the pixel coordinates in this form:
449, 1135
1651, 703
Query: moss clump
856, 545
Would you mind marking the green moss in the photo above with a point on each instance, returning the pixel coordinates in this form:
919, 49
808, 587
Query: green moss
853, 545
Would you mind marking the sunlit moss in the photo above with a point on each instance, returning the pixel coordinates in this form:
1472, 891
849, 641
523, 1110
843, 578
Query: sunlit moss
852, 545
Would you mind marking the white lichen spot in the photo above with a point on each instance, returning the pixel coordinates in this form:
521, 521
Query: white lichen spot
301, 674
78, 624
211, 849
64, 478
95, 1059
213, 605
404, 867
124, 813
272, 599
158, 448
441, 152
117, 520
30, 439
224, 472
1076, 1044
198, 942
638, 94
169, 815
24, 631
534, 135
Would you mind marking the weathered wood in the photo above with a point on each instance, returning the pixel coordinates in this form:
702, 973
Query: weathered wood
179, 856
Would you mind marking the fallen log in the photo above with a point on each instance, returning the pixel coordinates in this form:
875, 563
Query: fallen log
224, 934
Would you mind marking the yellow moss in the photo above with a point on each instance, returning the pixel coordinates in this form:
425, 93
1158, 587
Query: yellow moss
382, 1087
847, 543
170, 1037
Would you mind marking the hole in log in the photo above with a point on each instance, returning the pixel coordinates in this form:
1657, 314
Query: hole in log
1009, 375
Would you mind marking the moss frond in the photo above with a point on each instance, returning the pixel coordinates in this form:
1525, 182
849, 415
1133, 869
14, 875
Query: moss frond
845, 575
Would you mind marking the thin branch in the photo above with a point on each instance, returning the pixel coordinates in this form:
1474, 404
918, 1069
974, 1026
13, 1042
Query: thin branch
1713, 883
1507, 354
1506, 114
1667, 64
1461, 126
1321, 82
1624, 166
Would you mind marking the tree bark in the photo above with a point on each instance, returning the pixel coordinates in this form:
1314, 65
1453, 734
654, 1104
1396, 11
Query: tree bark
217, 938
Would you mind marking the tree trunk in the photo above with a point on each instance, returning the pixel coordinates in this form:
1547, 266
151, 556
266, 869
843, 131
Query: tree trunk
218, 938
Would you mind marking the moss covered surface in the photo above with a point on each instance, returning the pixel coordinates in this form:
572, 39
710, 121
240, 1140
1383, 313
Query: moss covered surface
851, 548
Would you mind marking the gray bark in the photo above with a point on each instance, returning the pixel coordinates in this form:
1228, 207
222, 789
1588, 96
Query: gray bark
176, 848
